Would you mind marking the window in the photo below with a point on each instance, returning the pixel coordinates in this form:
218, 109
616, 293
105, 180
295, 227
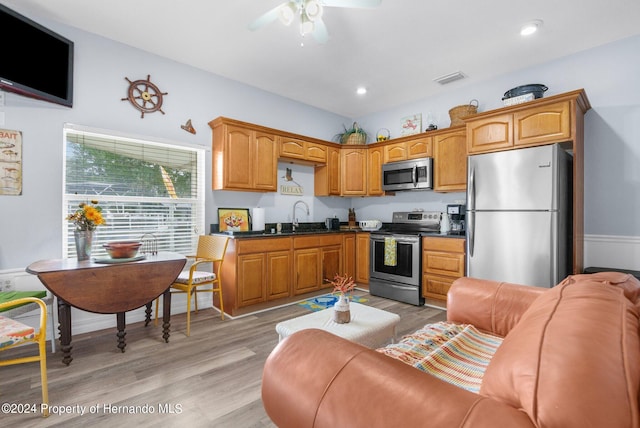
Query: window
143, 187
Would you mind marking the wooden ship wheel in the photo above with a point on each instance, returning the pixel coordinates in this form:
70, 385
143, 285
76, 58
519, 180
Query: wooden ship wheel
145, 96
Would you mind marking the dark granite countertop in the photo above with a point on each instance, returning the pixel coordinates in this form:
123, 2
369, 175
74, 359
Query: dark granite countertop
312, 229
287, 230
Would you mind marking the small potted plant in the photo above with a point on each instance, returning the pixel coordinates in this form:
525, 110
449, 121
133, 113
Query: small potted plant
353, 135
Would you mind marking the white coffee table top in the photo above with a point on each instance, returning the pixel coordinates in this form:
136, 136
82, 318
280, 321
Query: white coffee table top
369, 326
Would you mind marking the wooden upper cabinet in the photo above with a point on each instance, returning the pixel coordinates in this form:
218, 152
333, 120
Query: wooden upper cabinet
292, 148
243, 158
295, 148
265, 160
375, 159
326, 180
237, 167
543, 124
395, 152
419, 148
316, 152
450, 163
522, 125
409, 148
490, 134
353, 171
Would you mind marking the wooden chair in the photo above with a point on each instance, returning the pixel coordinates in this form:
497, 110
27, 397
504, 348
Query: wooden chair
14, 333
210, 254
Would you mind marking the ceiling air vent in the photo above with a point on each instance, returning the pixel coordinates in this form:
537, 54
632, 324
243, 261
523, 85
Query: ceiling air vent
448, 78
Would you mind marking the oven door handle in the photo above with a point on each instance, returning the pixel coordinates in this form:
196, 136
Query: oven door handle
399, 240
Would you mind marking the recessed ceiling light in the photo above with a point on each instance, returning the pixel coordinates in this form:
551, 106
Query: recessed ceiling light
530, 27
361, 90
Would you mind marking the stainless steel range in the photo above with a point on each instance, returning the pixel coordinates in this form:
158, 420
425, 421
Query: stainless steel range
396, 256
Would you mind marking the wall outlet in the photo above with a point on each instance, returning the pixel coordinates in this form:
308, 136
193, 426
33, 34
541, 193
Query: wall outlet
7, 284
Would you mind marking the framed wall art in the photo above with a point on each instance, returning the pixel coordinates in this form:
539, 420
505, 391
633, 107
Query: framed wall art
411, 124
10, 162
234, 219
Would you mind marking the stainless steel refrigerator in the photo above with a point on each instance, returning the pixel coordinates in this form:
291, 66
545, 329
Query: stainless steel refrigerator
519, 218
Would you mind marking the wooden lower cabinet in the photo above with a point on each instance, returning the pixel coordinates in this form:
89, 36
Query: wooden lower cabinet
363, 248
349, 252
263, 270
268, 271
278, 274
307, 270
251, 279
442, 263
316, 258
332, 262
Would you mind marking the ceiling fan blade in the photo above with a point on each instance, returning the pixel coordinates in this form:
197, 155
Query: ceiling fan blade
267, 18
320, 32
351, 3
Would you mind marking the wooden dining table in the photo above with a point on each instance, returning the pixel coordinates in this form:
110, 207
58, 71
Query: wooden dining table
109, 287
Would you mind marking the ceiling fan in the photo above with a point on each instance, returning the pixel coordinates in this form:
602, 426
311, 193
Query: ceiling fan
309, 13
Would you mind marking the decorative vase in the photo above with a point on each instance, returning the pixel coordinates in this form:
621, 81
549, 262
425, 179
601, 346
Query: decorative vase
84, 241
341, 312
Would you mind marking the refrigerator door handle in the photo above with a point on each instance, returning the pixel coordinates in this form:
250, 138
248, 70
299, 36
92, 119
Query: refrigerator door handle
471, 222
471, 192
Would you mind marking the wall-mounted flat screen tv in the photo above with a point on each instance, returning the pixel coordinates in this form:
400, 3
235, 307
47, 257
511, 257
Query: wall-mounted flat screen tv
35, 61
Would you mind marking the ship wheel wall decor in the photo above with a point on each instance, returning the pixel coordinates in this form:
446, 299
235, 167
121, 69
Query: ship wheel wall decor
144, 95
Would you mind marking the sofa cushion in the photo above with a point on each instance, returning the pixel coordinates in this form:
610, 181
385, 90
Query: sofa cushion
455, 353
573, 359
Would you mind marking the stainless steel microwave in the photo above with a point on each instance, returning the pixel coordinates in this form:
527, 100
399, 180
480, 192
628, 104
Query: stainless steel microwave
416, 174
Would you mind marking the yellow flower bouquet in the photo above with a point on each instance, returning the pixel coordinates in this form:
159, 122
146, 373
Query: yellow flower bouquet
87, 216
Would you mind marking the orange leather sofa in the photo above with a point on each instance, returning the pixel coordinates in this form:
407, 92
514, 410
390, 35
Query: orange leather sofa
570, 358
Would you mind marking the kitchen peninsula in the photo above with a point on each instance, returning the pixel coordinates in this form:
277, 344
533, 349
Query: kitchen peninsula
262, 270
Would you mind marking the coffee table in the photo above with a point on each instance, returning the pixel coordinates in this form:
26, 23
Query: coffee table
370, 327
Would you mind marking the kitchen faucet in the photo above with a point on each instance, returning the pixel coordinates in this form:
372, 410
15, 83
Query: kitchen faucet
294, 220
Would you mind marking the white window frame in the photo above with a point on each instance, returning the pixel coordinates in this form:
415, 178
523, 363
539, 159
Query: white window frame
165, 234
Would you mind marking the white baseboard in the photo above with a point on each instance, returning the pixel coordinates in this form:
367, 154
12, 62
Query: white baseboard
81, 321
620, 252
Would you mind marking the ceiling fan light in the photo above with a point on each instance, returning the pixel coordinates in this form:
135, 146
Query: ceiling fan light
313, 10
287, 13
306, 26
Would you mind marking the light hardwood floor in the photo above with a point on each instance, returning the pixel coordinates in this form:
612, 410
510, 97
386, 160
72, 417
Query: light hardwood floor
211, 379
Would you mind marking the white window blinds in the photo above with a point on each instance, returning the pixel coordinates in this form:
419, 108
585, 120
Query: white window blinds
143, 187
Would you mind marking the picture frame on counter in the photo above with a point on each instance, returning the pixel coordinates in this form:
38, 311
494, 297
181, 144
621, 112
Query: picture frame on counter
234, 219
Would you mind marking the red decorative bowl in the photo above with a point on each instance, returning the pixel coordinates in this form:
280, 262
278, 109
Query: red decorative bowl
122, 249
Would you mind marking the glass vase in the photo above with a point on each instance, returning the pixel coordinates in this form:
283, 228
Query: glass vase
84, 241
